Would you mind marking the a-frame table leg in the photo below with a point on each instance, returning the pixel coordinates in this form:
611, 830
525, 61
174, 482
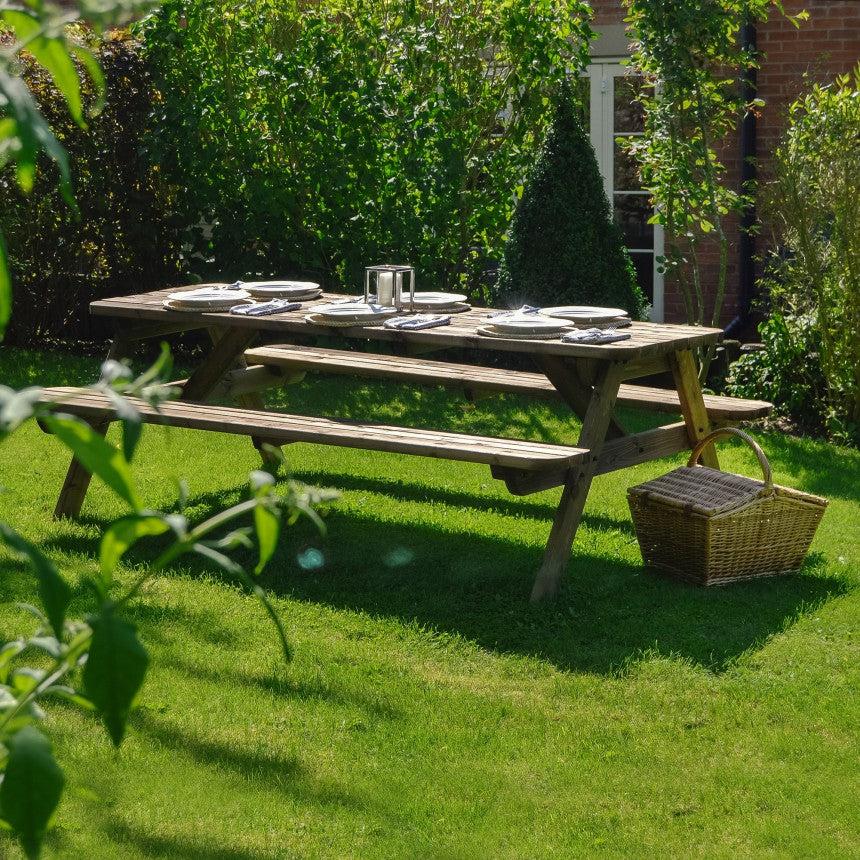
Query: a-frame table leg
575, 393
596, 423
692, 403
228, 346
77, 482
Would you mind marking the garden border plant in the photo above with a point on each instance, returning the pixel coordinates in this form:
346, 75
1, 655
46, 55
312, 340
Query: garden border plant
320, 137
563, 245
97, 663
690, 57
810, 365
124, 235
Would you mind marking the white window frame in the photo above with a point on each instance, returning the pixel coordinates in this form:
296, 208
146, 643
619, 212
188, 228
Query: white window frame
602, 75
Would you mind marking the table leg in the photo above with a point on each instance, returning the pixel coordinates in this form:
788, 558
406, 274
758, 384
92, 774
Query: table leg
575, 393
77, 481
596, 423
692, 403
228, 347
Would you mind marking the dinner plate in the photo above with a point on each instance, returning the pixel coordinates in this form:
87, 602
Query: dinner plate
529, 323
198, 308
208, 297
353, 311
584, 313
280, 288
437, 299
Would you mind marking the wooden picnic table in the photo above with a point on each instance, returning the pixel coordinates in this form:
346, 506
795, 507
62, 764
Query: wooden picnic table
588, 378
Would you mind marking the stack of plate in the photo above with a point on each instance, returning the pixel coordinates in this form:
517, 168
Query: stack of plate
296, 291
589, 317
210, 298
348, 314
531, 326
450, 303
441, 302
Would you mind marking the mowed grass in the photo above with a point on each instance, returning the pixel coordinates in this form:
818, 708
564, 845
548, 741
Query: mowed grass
429, 710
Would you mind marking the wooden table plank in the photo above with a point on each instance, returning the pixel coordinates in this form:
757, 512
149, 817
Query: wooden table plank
281, 428
647, 339
600, 368
370, 365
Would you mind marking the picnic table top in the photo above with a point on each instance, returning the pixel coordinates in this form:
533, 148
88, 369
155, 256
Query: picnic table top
647, 339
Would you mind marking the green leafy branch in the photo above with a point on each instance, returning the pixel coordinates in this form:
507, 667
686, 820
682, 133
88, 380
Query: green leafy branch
690, 57
100, 663
43, 30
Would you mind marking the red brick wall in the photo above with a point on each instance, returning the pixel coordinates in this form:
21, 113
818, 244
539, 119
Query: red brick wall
826, 45
608, 11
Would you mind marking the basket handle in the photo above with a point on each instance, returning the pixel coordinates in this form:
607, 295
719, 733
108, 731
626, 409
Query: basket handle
733, 431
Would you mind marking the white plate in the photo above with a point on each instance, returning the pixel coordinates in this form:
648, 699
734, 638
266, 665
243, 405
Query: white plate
353, 311
208, 296
213, 308
529, 322
434, 299
584, 313
280, 288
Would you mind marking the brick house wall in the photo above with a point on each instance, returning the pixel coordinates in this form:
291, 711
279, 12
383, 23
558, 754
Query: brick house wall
824, 46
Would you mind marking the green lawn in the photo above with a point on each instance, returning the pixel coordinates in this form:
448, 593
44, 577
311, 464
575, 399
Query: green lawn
429, 711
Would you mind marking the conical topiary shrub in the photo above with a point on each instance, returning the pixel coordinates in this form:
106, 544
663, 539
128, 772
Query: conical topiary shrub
563, 247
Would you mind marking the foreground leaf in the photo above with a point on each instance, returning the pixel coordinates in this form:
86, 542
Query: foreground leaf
96, 454
31, 135
16, 407
114, 670
31, 787
52, 52
53, 589
122, 535
5, 288
267, 524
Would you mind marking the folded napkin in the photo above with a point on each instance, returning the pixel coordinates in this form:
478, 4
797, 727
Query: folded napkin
262, 309
418, 321
594, 335
525, 309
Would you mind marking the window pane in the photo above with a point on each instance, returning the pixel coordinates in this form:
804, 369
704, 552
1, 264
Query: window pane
644, 265
632, 212
626, 170
629, 115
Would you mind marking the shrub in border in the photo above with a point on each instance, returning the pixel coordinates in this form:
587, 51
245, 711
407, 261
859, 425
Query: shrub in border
124, 237
563, 246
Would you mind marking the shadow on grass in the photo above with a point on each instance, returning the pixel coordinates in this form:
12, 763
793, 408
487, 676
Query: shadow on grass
283, 687
176, 847
512, 506
815, 466
610, 612
285, 775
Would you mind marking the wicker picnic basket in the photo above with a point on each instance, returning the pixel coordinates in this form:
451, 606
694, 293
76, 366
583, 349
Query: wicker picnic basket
711, 527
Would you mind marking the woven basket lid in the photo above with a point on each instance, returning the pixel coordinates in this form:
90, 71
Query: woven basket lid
702, 489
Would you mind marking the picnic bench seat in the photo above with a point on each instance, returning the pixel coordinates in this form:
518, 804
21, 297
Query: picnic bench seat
278, 428
473, 378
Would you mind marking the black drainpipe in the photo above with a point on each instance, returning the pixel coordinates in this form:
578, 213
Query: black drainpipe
746, 243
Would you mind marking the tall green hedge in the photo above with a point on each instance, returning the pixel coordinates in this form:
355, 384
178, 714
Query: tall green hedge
563, 247
124, 237
320, 136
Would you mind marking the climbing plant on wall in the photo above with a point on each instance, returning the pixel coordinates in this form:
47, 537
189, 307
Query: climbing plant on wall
690, 56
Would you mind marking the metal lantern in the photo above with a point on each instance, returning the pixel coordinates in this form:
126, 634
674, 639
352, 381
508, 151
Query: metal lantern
387, 284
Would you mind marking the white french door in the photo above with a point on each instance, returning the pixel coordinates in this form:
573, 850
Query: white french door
613, 114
